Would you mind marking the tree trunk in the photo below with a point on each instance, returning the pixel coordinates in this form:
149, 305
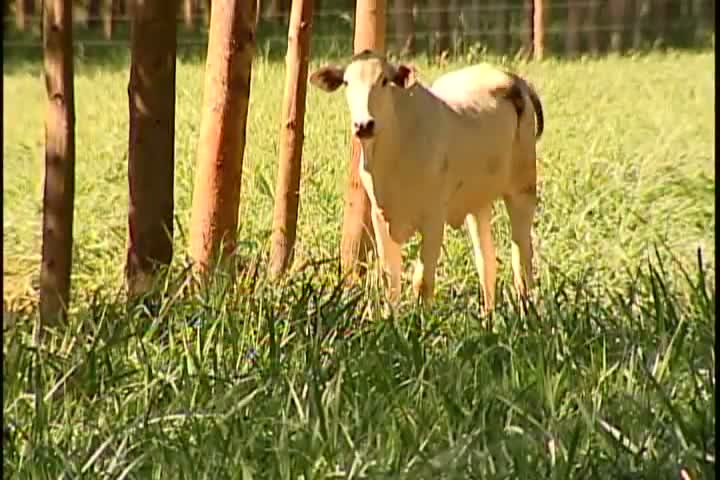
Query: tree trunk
107, 15
189, 14
276, 10
287, 192
617, 22
642, 9
24, 10
151, 98
661, 16
439, 26
474, 22
572, 39
455, 25
208, 11
501, 26
93, 14
591, 26
357, 230
221, 147
59, 183
537, 29
119, 12
405, 26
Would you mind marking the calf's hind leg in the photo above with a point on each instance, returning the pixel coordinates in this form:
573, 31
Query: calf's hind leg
521, 210
478, 225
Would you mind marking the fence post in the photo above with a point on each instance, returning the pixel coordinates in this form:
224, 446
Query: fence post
59, 182
24, 9
538, 29
591, 24
617, 22
287, 191
500, 26
221, 146
405, 26
439, 26
571, 28
357, 226
151, 142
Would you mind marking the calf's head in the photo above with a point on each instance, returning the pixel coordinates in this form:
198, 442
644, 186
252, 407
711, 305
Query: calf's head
368, 79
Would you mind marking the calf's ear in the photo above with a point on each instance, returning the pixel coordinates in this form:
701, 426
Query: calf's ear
404, 76
327, 78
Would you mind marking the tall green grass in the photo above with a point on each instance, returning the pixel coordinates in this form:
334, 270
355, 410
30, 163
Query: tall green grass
610, 374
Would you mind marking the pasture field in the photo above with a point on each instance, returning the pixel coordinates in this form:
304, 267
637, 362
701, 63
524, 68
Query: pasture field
610, 375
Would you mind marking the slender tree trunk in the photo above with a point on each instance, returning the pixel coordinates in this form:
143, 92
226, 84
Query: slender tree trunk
572, 39
24, 10
642, 9
93, 14
189, 13
405, 26
706, 18
538, 29
617, 22
20, 14
107, 16
357, 230
208, 11
287, 192
59, 183
277, 10
591, 26
119, 11
221, 148
660, 19
439, 26
151, 161
474, 22
501, 26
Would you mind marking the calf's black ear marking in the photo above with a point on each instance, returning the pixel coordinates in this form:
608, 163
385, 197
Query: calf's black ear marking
328, 78
404, 76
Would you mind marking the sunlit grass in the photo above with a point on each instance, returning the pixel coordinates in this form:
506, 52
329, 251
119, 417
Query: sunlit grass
610, 375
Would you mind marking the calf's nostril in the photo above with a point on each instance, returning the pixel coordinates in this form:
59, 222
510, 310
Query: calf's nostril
364, 129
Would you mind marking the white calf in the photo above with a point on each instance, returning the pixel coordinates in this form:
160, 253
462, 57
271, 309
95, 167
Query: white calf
443, 155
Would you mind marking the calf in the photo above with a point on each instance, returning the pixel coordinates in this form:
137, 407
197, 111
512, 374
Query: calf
444, 154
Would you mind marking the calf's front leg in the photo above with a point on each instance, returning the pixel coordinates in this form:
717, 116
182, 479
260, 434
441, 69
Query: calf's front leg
389, 254
424, 275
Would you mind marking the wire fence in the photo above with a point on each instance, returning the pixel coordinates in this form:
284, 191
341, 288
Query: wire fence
503, 26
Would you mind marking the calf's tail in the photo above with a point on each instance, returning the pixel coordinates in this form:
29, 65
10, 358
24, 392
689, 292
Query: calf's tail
515, 94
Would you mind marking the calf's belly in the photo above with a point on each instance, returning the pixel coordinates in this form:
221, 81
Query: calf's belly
472, 198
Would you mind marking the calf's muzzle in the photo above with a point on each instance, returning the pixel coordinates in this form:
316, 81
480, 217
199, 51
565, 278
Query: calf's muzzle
364, 129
